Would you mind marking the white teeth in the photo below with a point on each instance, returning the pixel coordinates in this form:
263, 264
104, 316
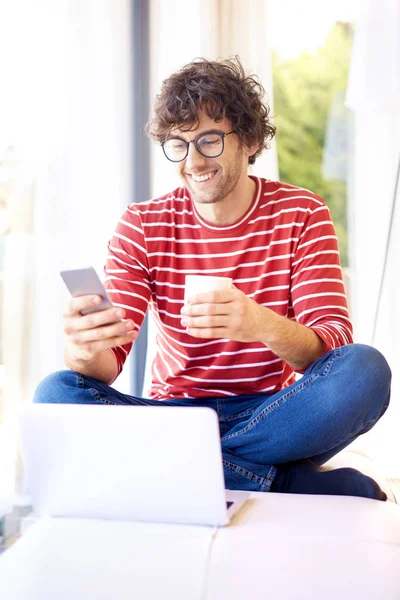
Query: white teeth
203, 177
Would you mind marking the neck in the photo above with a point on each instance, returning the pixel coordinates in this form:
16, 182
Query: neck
232, 207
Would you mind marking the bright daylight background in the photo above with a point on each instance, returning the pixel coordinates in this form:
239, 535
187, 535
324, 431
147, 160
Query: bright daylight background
67, 111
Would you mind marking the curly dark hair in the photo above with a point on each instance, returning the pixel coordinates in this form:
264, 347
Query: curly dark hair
222, 90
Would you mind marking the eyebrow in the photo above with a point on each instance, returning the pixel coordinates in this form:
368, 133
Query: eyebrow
179, 137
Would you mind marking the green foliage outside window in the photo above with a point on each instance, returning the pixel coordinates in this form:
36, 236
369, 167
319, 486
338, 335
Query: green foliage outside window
313, 125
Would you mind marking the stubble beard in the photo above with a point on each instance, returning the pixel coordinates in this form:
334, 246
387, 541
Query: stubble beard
226, 185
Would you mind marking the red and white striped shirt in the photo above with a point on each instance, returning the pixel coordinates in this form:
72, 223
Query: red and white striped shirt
283, 253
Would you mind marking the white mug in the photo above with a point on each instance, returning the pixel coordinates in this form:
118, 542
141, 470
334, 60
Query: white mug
195, 284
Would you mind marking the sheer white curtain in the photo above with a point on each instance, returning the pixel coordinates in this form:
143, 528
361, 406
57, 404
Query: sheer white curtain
181, 31
85, 183
244, 30
69, 115
374, 96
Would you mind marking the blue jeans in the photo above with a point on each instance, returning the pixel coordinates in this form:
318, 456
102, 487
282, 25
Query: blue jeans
340, 396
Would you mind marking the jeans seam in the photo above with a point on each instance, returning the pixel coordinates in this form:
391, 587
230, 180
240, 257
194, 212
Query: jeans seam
329, 363
302, 385
95, 393
298, 388
246, 413
265, 482
219, 409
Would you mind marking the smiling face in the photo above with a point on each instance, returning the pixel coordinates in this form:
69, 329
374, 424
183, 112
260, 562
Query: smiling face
214, 180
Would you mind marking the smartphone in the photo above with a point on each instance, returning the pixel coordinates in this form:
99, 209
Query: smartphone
83, 282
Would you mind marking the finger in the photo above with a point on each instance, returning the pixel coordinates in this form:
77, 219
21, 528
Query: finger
205, 309
91, 321
101, 317
205, 321
81, 302
104, 332
208, 332
93, 348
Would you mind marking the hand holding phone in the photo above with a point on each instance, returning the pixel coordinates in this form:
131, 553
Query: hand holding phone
85, 282
91, 322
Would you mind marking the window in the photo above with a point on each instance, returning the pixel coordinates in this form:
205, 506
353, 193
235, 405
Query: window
310, 74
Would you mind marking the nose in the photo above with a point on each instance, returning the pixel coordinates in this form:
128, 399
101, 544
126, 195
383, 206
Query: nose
194, 158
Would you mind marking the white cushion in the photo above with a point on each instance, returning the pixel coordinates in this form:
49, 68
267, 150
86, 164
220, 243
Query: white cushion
281, 546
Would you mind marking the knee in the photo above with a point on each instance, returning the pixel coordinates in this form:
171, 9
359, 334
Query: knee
371, 371
53, 388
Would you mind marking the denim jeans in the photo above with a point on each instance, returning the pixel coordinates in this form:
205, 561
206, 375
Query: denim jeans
340, 396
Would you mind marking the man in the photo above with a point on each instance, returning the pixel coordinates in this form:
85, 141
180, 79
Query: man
235, 350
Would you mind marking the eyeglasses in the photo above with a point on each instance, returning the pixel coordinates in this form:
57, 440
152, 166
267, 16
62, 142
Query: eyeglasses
210, 145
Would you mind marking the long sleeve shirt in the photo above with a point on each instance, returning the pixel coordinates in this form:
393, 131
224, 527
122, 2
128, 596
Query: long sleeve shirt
283, 253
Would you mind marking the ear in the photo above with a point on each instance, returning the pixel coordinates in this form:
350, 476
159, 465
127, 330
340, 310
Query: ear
250, 150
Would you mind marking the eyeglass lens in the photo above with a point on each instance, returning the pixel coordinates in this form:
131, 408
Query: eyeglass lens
209, 144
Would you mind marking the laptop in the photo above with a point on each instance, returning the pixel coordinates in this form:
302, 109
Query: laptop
141, 463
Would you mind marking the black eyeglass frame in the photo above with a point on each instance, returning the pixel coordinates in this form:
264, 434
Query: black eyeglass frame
196, 144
